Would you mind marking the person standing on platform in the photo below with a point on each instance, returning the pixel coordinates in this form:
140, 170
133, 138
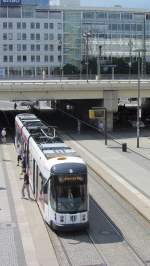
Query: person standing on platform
23, 163
3, 135
15, 106
19, 154
26, 186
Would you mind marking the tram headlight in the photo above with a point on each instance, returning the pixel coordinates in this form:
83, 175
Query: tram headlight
62, 219
83, 217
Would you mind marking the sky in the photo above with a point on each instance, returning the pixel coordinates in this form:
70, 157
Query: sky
110, 3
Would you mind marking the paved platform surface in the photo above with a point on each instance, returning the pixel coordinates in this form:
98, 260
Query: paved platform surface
23, 236
128, 172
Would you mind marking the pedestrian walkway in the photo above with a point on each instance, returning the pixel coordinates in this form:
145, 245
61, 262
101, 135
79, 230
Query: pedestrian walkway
24, 239
128, 172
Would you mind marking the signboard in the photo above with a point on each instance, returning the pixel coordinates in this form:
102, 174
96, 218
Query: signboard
11, 2
97, 113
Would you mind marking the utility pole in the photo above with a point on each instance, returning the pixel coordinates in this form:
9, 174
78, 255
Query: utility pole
99, 62
139, 96
143, 65
87, 35
130, 56
61, 66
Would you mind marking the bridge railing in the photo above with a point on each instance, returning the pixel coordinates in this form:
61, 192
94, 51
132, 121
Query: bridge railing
77, 77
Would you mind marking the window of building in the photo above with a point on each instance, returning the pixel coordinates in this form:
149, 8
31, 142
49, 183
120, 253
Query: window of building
37, 25
59, 36
139, 27
18, 58
24, 57
3, 12
38, 47
5, 58
27, 12
18, 47
18, 25
37, 58
24, 47
5, 48
127, 16
59, 58
59, 48
10, 25
4, 36
55, 14
41, 14
37, 36
45, 25
100, 15
32, 25
32, 47
24, 36
11, 58
32, 36
45, 36
51, 58
114, 27
23, 25
51, 47
88, 15
51, 25
51, 36
114, 15
10, 47
14, 12
4, 25
45, 58
127, 27
133, 27
32, 58
10, 36
46, 47
19, 36
59, 26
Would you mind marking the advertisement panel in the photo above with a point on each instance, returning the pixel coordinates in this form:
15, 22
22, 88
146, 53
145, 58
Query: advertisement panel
10, 2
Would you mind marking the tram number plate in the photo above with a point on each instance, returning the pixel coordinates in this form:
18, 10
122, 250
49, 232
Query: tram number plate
73, 218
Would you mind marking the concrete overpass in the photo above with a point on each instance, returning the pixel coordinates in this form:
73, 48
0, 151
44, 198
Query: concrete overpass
70, 89
108, 90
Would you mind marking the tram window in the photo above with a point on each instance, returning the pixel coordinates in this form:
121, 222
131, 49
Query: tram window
53, 196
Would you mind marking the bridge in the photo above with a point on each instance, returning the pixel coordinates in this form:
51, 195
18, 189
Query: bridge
70, 89
108, 90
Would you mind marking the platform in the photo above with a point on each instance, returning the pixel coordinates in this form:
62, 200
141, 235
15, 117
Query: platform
23, 236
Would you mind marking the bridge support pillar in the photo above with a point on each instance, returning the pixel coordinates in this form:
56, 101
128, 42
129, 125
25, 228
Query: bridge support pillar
111, 104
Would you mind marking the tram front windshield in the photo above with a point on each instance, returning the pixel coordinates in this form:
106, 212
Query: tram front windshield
71, 195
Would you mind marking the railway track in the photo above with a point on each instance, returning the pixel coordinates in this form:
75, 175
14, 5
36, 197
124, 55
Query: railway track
105, 237
103, 244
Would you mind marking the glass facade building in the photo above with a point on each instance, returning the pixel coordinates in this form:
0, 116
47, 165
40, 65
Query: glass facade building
36, 39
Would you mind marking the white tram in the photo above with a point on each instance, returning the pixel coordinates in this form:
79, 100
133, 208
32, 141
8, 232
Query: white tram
58, 177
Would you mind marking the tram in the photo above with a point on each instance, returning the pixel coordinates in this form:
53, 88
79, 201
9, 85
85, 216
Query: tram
58, 176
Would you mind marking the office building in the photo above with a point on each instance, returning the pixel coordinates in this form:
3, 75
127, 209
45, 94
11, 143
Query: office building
36, 40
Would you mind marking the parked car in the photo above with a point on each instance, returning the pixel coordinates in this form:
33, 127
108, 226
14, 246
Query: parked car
133, 123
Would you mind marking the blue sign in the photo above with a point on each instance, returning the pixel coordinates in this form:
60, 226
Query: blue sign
10, 2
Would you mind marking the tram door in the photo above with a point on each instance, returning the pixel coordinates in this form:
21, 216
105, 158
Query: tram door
36, 181
33, 177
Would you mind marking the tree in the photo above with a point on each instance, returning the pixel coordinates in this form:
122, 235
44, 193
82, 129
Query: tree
70, 69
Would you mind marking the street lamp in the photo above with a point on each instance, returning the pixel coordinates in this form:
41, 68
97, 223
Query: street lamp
87, 35
61, 67
99, 62
130, 43
138, 97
